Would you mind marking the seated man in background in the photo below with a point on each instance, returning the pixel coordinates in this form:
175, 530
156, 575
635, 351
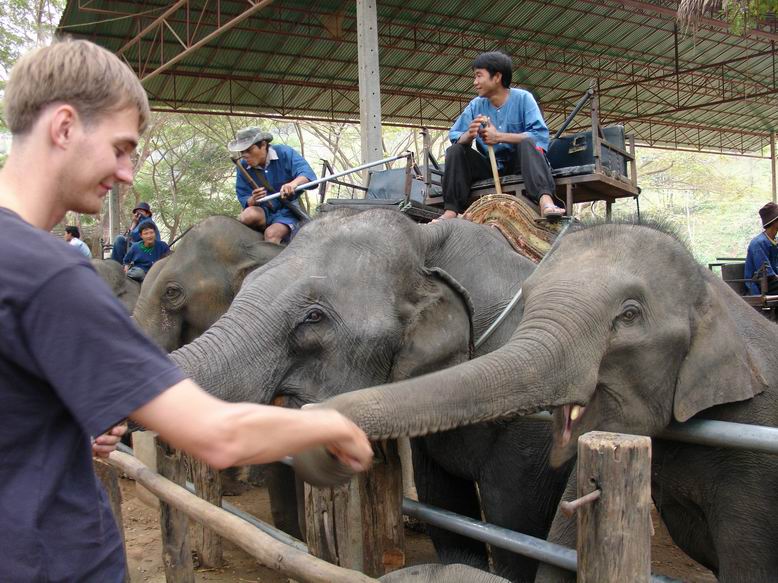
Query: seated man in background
762, 254
273, 169
515, 130
140, 214
145, 253
73, 236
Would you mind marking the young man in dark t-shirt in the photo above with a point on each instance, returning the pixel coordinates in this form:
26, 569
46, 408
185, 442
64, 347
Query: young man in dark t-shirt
145, 253
78, 107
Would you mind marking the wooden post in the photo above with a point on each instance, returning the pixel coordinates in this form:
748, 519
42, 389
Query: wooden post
176, 553
359, 526
144, 446
208, 486
614, 532
108, 475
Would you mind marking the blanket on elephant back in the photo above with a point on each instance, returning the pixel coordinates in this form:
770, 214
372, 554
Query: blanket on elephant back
515, 219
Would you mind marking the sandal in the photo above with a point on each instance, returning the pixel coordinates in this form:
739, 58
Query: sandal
551, 211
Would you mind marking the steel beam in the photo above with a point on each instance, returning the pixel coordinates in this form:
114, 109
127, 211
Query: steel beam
369, 81
772, 164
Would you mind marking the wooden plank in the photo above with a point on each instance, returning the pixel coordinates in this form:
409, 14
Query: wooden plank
176, 552
359, 525
108, 476
614, 532
270, 552
208, 485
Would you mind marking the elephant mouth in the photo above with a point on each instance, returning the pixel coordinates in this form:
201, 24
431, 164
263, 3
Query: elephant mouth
571, 416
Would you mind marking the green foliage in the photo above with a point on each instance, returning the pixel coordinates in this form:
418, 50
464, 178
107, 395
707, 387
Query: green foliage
712, 200
745, 14
742, 15
24, 24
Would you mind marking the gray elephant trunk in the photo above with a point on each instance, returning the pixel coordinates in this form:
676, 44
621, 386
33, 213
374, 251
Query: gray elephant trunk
232, 366
480, 390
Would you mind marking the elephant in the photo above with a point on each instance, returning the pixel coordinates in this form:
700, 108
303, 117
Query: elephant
360, 299
185, 293
124, 288
434, 573
624, 331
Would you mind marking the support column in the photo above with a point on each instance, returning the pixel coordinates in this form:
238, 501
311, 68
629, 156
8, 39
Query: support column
369, 81
772, 163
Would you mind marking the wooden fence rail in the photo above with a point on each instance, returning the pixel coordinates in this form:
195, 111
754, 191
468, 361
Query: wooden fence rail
268, 551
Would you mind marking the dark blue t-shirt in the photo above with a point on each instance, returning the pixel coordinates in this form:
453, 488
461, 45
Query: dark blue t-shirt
72, 365
144, 258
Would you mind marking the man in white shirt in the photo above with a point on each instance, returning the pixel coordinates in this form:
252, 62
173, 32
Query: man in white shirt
73, 236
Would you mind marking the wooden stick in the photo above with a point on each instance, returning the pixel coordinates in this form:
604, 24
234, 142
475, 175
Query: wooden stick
493, 161
245, 173
268, 551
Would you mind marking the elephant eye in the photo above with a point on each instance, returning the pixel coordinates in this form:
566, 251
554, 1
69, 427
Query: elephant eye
174, 295
313, 316
629, 315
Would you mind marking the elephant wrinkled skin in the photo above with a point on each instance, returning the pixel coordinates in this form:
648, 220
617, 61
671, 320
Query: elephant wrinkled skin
361, 299
124, 288
622, 321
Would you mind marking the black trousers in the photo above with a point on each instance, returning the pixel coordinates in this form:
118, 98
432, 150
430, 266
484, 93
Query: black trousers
464, 165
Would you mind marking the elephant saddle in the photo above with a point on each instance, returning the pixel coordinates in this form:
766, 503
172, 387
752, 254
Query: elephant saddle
515, 219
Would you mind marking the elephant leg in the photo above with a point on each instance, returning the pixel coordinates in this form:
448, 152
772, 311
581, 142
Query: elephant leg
281, 486
563, 532
521, 496
688, 529
438, 488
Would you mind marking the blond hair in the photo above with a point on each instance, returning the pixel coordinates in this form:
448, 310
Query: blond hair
77, 72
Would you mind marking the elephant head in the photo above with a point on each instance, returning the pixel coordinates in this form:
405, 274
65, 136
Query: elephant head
622, 331
186, 292
349, 304
124, 288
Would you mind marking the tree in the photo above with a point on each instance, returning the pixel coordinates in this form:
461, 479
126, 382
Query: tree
742, 15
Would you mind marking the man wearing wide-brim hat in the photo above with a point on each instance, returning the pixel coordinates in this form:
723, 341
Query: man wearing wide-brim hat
272, 169
763, 252
140, 214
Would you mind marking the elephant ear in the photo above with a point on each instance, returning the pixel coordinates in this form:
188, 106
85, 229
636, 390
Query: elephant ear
718, 368
439, 333
254, 256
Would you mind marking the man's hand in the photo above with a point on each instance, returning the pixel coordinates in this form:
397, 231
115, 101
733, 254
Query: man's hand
353, 449
490, 135
472, 131
256, 194
126, 268
104, 444
287, 190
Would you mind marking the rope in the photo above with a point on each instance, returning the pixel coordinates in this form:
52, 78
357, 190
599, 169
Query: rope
515, 300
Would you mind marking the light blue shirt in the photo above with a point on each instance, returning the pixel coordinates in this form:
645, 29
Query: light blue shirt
519, 114
81, 246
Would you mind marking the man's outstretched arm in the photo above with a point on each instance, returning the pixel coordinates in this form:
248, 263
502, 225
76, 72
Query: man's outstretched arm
228, 434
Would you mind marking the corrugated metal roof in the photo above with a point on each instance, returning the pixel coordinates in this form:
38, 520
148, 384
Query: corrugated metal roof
711, 90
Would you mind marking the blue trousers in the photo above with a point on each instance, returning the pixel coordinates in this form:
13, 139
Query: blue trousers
119, 248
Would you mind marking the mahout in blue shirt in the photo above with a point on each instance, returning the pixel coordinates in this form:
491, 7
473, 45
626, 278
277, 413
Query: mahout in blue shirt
519, 114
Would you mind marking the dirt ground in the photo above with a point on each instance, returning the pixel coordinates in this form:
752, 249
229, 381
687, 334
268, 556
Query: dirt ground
144, 551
